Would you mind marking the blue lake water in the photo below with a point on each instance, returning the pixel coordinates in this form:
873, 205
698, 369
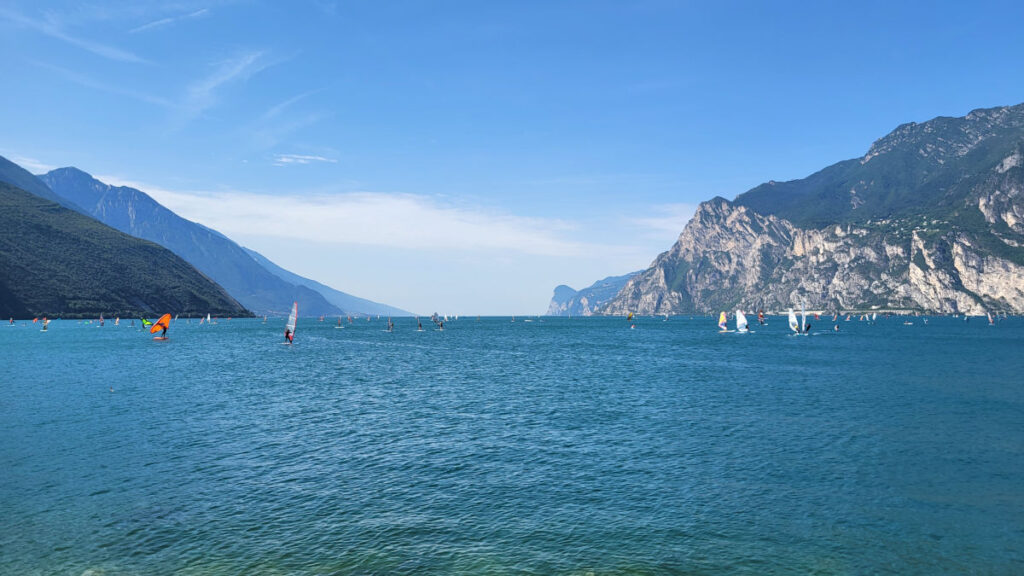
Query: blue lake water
557, 446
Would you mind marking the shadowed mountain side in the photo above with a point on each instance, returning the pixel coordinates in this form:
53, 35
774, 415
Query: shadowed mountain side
134, 212
59, 263
346, 302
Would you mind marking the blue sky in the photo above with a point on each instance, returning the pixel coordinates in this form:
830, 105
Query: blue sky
466, 157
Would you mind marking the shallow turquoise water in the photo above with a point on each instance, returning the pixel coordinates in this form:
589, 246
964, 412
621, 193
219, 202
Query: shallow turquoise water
562, 446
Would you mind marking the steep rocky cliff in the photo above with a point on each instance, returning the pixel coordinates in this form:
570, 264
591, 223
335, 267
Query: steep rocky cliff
931, 219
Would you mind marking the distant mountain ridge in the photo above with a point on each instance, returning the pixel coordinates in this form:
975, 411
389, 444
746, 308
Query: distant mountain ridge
261, 285
134, 212
346, 302
57, 262
22, 179
931, 218
588, 301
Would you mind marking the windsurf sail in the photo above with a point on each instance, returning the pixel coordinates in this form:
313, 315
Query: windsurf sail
162, 324
293, 318
207, 318
741, 321
721, 321
792, 322
803, 317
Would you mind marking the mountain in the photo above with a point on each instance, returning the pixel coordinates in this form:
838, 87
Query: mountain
931, 218
134, 212
348, 303
59, 263
568, 302
22, 179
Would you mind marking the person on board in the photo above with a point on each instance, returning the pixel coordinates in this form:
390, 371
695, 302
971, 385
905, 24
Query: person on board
163, 331
288, 335
807, 328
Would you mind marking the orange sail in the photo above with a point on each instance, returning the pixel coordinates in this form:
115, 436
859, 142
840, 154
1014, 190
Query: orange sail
162, 324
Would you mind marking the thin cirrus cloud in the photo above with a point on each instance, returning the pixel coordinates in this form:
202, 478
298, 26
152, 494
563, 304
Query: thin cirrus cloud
53, 29
292, 159
169, 21
202, 94
110, 88
405, 221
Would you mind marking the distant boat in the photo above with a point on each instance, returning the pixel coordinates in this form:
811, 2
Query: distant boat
741, 322
293, 319
991, 321
208, 320
801, 327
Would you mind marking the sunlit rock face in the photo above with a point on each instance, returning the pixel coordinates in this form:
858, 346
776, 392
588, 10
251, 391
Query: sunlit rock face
931, 219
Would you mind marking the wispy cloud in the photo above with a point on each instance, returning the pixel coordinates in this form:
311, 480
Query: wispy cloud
406, 221
89, 82
282, 120
169, 20
289, 159
31, 164
277, 109
202, 94
53, 29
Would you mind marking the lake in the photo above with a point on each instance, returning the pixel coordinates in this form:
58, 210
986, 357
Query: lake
554, 446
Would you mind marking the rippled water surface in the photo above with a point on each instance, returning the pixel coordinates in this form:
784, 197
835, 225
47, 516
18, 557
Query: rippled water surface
557, 446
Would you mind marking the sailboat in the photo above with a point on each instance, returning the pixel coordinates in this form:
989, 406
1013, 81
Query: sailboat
741, 322
208, 318
289, 328
339, 326
161, 325
722, 327
991, 321
792, 322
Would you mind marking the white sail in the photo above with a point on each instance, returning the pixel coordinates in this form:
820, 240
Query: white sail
207, 318
293, 318
792, 321
803, 317
741, 321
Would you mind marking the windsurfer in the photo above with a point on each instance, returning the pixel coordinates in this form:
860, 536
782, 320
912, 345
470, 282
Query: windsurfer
288, 335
